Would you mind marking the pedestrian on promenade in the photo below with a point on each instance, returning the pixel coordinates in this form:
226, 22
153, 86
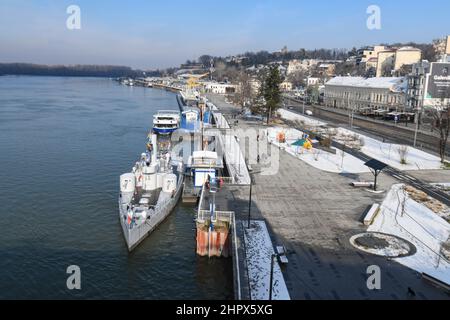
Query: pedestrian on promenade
411, 292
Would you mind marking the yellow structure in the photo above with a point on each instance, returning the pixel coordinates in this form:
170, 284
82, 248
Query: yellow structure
308, 145
193, 81
393, 60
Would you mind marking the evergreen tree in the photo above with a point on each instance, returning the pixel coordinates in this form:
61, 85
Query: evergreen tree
271, 93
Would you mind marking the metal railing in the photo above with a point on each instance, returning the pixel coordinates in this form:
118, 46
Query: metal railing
224, 216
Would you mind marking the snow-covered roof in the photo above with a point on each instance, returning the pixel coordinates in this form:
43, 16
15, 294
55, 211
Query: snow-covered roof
391, 83
408, 49
205, 154
325, 65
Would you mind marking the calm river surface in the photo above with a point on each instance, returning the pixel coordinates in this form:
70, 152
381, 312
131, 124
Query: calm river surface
64, 142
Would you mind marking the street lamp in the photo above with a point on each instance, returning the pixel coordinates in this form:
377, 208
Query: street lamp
250, 205
250, 200
238, 155
272, 266
304, 102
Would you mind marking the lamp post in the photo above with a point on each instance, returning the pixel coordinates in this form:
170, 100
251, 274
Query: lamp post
417, 128
272, 265
238, 155
304, 102
250, 205
250, 200
419, 110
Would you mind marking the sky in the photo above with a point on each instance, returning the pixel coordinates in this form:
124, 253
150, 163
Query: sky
150, 34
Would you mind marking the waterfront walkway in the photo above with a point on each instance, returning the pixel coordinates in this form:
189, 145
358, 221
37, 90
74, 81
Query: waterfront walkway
313, 214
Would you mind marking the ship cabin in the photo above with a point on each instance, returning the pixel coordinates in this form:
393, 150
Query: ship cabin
204, 166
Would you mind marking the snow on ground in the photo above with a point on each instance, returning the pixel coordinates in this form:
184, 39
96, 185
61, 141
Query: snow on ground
233, 154
385, 152
259, 250
292, 116
418, 225
445, 187
389, 154
316, 158
395, 247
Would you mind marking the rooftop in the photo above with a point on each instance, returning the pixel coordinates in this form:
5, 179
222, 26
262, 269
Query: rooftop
391, 83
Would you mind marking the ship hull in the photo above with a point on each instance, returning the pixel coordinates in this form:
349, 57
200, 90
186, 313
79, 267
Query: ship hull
164, 131
135, 236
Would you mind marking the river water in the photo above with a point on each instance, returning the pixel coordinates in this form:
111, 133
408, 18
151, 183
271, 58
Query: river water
64, 142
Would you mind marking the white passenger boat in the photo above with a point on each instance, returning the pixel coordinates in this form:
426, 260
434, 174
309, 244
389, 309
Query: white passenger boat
166, 122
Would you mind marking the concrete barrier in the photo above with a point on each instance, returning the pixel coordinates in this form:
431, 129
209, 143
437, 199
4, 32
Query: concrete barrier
372, 214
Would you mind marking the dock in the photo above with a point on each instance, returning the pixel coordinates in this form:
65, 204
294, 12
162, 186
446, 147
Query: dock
222, 228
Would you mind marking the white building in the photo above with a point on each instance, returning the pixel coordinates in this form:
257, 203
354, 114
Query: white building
256, 85
416, 84
312, 81
375, 96
301, 65
286, 86
392, 60
367, 54
220, 88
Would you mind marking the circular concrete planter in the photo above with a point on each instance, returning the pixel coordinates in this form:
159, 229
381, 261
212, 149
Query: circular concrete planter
383, 245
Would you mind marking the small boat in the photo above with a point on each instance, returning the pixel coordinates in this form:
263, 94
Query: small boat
166, 122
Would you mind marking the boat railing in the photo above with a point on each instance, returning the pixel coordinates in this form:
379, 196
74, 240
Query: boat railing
204, 162
226, 180
223, 216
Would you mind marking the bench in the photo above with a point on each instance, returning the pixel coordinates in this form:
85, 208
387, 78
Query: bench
281, 251
371, 214
357, 184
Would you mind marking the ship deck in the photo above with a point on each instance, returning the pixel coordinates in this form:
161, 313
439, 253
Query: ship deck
152, 197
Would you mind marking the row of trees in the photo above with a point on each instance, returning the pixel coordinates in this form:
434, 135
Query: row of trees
72, 71
267, 100
264, 57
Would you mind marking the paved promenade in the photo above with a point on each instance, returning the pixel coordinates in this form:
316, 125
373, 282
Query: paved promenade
314, 213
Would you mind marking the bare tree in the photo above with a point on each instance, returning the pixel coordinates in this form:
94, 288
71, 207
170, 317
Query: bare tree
441, 121
362, 141
440, 116
245, 94
343, 156
298, 78
316, 154
403, 152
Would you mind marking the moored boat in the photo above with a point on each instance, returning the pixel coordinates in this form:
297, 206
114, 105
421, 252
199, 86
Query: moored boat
150, 192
